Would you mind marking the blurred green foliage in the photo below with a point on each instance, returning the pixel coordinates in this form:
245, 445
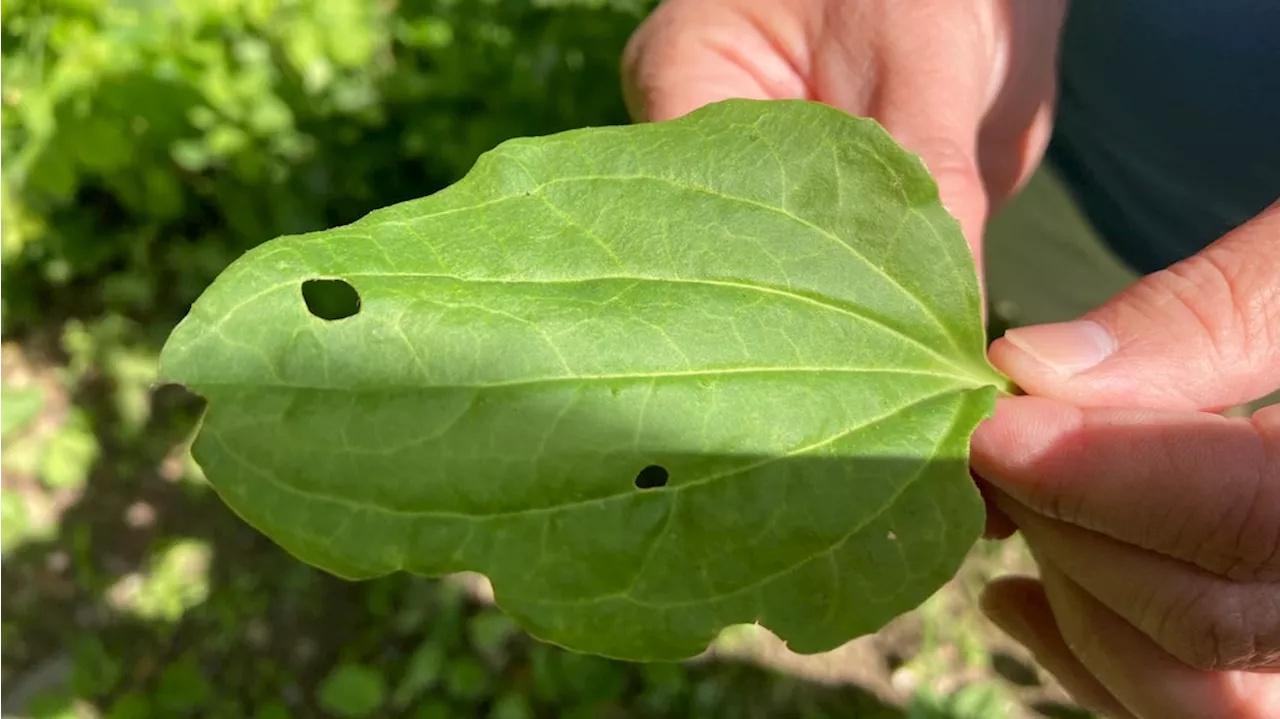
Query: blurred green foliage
21, 405
147, 143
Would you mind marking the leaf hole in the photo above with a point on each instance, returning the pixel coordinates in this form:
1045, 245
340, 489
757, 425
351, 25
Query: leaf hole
330, 299
651, 477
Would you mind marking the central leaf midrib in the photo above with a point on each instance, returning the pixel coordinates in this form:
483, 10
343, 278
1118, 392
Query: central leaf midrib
962, 382
789, 294
785, 293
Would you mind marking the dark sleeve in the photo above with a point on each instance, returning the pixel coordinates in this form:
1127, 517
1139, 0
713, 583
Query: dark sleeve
1168, 125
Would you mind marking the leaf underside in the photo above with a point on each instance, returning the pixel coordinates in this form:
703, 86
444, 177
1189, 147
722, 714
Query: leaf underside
759, 313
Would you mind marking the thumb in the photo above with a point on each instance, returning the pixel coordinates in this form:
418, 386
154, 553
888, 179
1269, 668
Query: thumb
1203, 334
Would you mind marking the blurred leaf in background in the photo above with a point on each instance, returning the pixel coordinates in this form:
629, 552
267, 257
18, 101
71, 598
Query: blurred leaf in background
147, 144
21, 406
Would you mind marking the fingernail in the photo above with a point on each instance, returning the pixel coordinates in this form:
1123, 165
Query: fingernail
1066, 347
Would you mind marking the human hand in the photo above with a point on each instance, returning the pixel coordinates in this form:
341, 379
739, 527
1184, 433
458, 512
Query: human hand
1156, 527
968, 86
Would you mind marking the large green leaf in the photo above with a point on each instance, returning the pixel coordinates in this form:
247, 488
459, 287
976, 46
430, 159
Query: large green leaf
766, 300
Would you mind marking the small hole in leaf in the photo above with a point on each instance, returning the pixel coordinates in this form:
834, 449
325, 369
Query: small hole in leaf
330, 299
651, 476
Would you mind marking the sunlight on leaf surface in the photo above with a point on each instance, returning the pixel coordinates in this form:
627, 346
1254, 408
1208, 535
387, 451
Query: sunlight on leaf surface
765, 301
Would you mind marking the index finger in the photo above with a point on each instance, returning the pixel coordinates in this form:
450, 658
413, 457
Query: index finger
1195, 486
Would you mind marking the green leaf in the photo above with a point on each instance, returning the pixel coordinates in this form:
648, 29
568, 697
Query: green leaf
273, 710
176, 581
421, 673
511, 705
762, 307
593, 680
183, 688
435, 709
21, 407
53, 704
979, 701
489, 631
545, 674
134, 705
94, 671
15, 520
467, 680
353, 690
70, 454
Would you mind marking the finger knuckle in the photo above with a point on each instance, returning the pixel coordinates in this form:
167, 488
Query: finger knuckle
1222, 626
1236, 312
959, 180
1254, 544
947, 157
1052, 497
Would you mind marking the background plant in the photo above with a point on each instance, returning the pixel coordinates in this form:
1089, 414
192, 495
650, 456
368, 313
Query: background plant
146, 144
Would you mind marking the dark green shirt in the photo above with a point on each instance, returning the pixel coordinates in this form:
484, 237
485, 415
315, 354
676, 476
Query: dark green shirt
1168, 127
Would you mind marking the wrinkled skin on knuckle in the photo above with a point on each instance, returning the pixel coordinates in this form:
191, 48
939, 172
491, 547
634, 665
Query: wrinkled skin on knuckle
1254, 534
1263, 531
1233, 530
955, 168
1213, 292
1174, 308
1220, 626
950, 160
1224, 303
